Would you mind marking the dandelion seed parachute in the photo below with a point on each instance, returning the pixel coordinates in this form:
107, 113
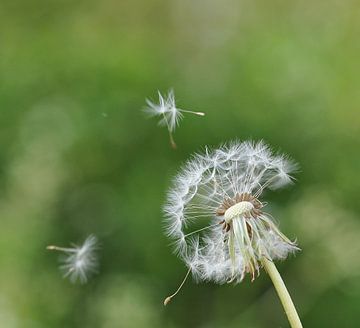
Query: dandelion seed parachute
80, 261
215, 215
170, 114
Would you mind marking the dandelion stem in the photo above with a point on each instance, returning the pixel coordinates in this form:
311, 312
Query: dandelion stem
283, 293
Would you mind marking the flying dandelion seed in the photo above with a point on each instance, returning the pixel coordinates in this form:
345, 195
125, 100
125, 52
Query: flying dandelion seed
216, 215
80, 261
170, 114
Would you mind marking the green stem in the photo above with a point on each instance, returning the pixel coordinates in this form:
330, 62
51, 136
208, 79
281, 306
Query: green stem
283, 293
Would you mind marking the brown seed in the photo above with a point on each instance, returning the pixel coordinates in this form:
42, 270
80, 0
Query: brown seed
220, 211
256, 212
249, 230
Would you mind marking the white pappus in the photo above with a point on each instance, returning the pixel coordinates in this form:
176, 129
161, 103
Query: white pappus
215, 211
79, 262
170, 114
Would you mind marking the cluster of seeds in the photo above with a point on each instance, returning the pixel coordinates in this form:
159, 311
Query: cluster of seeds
220, 190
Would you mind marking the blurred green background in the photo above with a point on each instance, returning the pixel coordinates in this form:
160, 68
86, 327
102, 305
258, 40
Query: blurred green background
78, 155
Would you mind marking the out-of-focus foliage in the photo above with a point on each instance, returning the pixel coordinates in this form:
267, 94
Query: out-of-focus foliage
78, 157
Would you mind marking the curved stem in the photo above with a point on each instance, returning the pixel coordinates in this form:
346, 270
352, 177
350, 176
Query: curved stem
283, 293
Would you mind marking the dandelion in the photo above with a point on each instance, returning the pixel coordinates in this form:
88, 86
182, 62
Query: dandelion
216, 216
80, 261
170, 114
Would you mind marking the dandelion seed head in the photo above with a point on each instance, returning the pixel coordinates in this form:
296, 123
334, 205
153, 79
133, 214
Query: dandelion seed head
215, 214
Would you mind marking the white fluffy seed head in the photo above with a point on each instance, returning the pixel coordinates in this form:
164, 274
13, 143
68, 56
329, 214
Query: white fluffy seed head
202, 186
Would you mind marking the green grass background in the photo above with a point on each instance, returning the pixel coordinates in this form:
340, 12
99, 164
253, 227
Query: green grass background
78, 156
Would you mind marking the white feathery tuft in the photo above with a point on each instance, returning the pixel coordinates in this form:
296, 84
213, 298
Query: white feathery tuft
170, 114
80, 261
